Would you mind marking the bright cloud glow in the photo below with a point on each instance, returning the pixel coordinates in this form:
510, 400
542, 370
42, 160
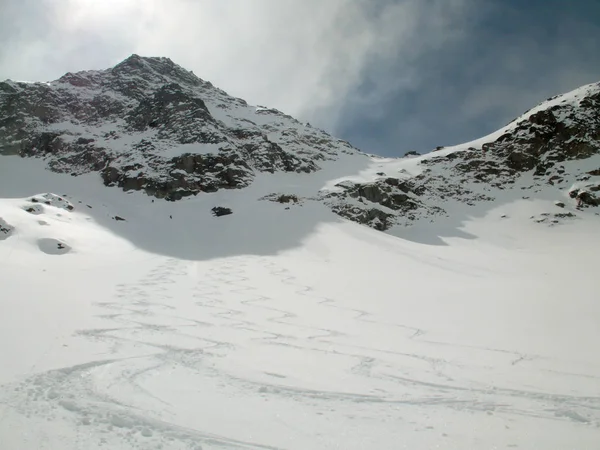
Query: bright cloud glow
303, 57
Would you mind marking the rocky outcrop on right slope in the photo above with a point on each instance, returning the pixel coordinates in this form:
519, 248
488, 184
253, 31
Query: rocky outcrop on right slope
555, 144
566, 131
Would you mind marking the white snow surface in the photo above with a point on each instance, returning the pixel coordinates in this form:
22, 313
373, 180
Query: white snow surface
275, 328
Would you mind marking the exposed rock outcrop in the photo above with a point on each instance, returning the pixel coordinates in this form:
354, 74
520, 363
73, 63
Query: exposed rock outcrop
6, 230
546, 147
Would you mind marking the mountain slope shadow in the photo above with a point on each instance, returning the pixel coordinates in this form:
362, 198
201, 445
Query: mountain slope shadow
185, 229
434, 233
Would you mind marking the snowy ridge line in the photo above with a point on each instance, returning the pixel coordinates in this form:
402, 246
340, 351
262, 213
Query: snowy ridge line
571, 98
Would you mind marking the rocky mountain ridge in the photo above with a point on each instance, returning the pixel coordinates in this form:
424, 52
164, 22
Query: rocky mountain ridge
554, 146
147, 124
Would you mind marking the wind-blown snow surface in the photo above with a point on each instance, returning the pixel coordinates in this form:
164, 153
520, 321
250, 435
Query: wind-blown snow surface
277, 328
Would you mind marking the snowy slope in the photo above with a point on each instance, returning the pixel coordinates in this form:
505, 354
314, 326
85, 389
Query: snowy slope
288, 328
131, 322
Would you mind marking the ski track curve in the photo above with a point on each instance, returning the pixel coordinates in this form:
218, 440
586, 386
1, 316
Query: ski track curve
149, 316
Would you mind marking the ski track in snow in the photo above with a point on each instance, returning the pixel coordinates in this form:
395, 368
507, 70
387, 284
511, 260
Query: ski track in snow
221, 314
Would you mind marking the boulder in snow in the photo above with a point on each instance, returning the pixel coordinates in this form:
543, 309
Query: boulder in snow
5, 229
36, 209
219, 211
584, 197
52, 246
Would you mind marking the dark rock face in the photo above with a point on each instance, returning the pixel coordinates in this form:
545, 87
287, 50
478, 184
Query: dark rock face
148, 124
389, 193
374, 204
393, 201
169, 106
372, 217
584, 198
187, 175
540, 143
283, 198
550, 137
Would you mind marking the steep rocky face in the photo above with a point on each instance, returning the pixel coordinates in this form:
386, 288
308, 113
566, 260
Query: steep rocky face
563, 132
362, 202
148, 124
554, 145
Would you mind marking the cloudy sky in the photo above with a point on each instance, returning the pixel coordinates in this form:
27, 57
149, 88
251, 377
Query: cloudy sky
388, 75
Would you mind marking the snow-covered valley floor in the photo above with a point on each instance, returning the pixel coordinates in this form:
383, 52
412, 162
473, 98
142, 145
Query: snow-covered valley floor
278, 328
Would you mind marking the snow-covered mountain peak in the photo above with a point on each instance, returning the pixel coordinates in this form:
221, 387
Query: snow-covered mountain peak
149, 73
137, 63
149, 124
